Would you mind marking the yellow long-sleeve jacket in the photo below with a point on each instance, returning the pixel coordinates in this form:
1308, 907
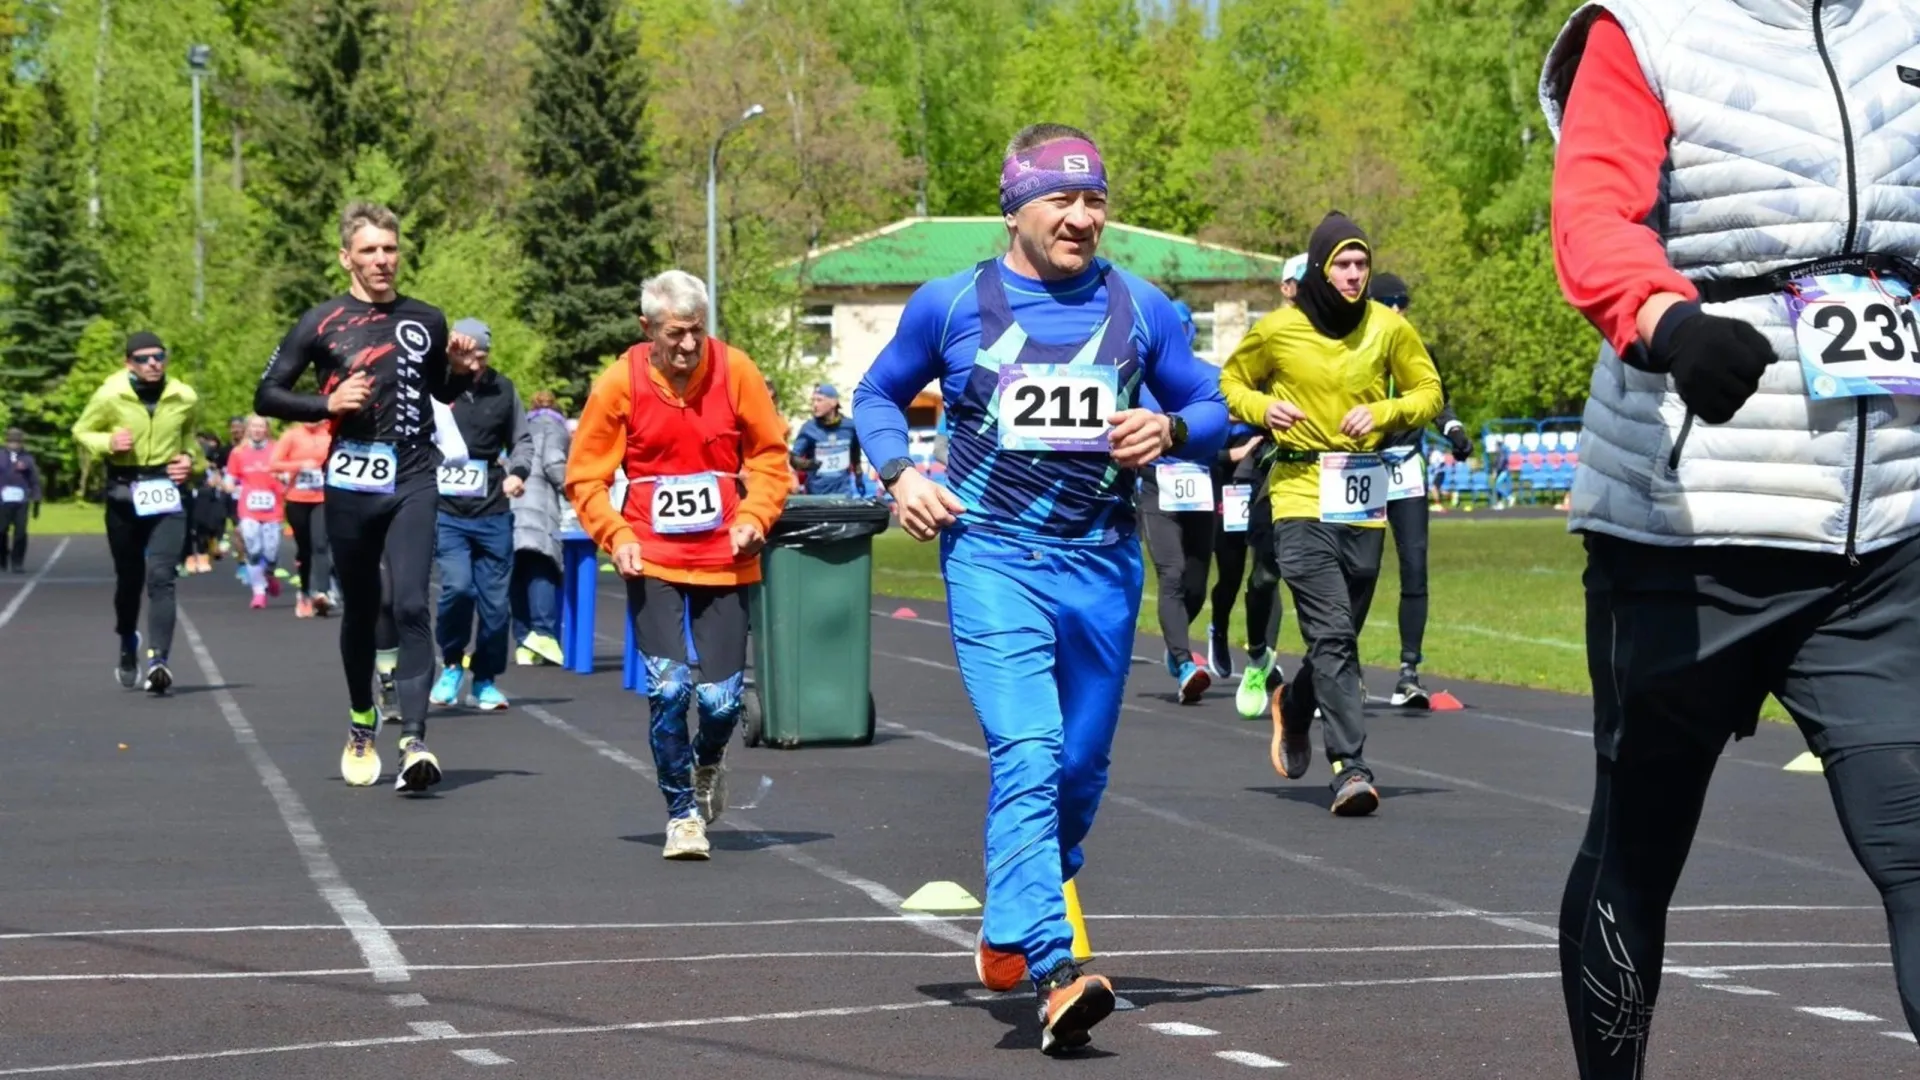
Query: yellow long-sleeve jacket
1283, 358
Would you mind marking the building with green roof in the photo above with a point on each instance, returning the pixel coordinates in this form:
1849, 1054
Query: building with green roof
857, 288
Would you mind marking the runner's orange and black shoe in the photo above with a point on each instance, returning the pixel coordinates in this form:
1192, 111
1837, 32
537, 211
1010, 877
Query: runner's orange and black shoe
1071, 1003
999, 970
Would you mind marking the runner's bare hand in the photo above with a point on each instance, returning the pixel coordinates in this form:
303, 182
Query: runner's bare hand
350, 395
463, 354
626, 560
1138, 437
1357, 422
746, 539
122, 440
179, 468
513, 486
1282, 415
925, 507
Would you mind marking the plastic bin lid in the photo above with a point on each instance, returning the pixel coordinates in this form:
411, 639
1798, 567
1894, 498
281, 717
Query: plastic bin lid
832, 509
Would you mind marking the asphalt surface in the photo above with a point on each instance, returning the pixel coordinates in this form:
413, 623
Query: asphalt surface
190, 891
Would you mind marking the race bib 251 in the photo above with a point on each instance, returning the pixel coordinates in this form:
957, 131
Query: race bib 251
687, 504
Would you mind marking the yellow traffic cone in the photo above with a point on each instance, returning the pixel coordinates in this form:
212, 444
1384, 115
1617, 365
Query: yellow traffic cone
1082, 949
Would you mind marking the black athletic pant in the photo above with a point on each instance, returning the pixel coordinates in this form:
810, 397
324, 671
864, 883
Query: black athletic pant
145, 552
1181, 547
1408, 520
13, 535
1683, 645
1231, 551
310, 550
361, 528
1332, 569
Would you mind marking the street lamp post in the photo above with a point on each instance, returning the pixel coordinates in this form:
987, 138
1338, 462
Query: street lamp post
199, 58
713, 243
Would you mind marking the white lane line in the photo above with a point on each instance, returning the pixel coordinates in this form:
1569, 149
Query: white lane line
878, 893
1190, 1031
1248, 1057
406, 1001
1835, 1012
805, 1014
482, 1057
7, 613
1703, 973
1903, 1035
1525, 926
1745, 991
465, 928
435, 1029
1445, 778
377, 946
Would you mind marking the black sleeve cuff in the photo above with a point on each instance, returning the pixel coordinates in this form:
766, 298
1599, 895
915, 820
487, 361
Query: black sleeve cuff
1657, 355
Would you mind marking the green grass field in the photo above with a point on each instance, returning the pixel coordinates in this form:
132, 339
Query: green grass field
68, 519
1505, 603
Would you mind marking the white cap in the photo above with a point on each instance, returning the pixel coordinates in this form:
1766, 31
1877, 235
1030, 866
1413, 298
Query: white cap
1296, 268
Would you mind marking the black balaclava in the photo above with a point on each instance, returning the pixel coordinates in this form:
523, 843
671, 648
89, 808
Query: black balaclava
1331, 313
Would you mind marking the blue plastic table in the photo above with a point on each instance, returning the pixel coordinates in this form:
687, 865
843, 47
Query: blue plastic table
579, 581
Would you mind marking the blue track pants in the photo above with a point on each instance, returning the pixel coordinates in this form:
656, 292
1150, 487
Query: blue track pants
1044, 637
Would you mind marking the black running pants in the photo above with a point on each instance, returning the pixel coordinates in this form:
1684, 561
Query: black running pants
1683, 645
146, 551
1407, 518
310, 550
361, 529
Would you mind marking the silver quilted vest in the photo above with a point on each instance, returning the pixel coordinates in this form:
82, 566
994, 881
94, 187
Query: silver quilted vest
1794, 139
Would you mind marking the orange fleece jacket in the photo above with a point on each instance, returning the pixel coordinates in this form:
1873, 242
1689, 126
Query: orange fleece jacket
300, 448
600, 449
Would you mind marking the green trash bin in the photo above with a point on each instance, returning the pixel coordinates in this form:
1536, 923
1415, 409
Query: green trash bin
812, 625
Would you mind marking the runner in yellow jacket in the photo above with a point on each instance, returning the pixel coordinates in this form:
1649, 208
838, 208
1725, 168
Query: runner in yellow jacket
141, 423
1316, 374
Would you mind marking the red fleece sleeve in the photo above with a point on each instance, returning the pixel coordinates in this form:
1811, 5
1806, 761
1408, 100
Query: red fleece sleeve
1613, 142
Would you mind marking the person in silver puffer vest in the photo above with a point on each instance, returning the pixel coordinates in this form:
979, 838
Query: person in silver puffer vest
1734, 208
534, 594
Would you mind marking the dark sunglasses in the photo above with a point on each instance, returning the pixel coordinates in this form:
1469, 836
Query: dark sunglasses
1399, 303
151, 358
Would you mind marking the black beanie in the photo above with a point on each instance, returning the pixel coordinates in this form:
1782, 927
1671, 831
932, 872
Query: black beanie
143, 339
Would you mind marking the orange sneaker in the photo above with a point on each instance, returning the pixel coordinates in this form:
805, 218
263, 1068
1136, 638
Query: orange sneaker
1070, 1005
999, 970
303, 607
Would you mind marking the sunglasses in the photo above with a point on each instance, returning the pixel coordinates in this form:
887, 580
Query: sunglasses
151, 358
1398, 303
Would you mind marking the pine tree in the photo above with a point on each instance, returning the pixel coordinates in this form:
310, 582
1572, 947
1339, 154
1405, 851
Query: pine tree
586, 223
341, 103
51, 271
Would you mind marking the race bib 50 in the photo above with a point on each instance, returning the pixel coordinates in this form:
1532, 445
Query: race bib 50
1185, 487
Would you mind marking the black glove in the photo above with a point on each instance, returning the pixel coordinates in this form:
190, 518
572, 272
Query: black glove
1716, 362
1462, 449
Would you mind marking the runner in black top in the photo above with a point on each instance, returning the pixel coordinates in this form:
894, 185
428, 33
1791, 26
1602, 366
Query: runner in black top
376, 356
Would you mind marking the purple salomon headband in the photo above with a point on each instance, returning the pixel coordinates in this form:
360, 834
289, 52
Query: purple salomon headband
1058, 165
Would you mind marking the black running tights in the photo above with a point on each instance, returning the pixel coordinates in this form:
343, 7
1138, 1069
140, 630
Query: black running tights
360, 529
1613, 916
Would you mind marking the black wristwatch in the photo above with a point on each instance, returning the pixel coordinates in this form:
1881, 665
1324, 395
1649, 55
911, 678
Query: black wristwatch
891, 470
1179, 431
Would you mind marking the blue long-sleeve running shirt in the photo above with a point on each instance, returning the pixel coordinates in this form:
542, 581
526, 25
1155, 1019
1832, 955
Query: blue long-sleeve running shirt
952, 333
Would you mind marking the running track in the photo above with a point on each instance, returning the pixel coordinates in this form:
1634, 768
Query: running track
210, 901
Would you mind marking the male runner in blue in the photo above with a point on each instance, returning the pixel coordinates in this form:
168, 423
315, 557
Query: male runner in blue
1041, 355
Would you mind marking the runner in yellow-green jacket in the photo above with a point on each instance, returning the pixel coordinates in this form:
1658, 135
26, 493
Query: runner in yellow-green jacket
1316, 374
141, 424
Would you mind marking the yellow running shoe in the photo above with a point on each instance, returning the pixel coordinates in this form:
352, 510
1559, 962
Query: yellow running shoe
419, 769
360, 761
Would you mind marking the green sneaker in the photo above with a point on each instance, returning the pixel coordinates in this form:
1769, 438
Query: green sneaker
1251, 699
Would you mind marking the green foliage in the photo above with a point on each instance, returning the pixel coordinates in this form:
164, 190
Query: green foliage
546, 156
52, 278
586, 223
476, 272
327, 122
